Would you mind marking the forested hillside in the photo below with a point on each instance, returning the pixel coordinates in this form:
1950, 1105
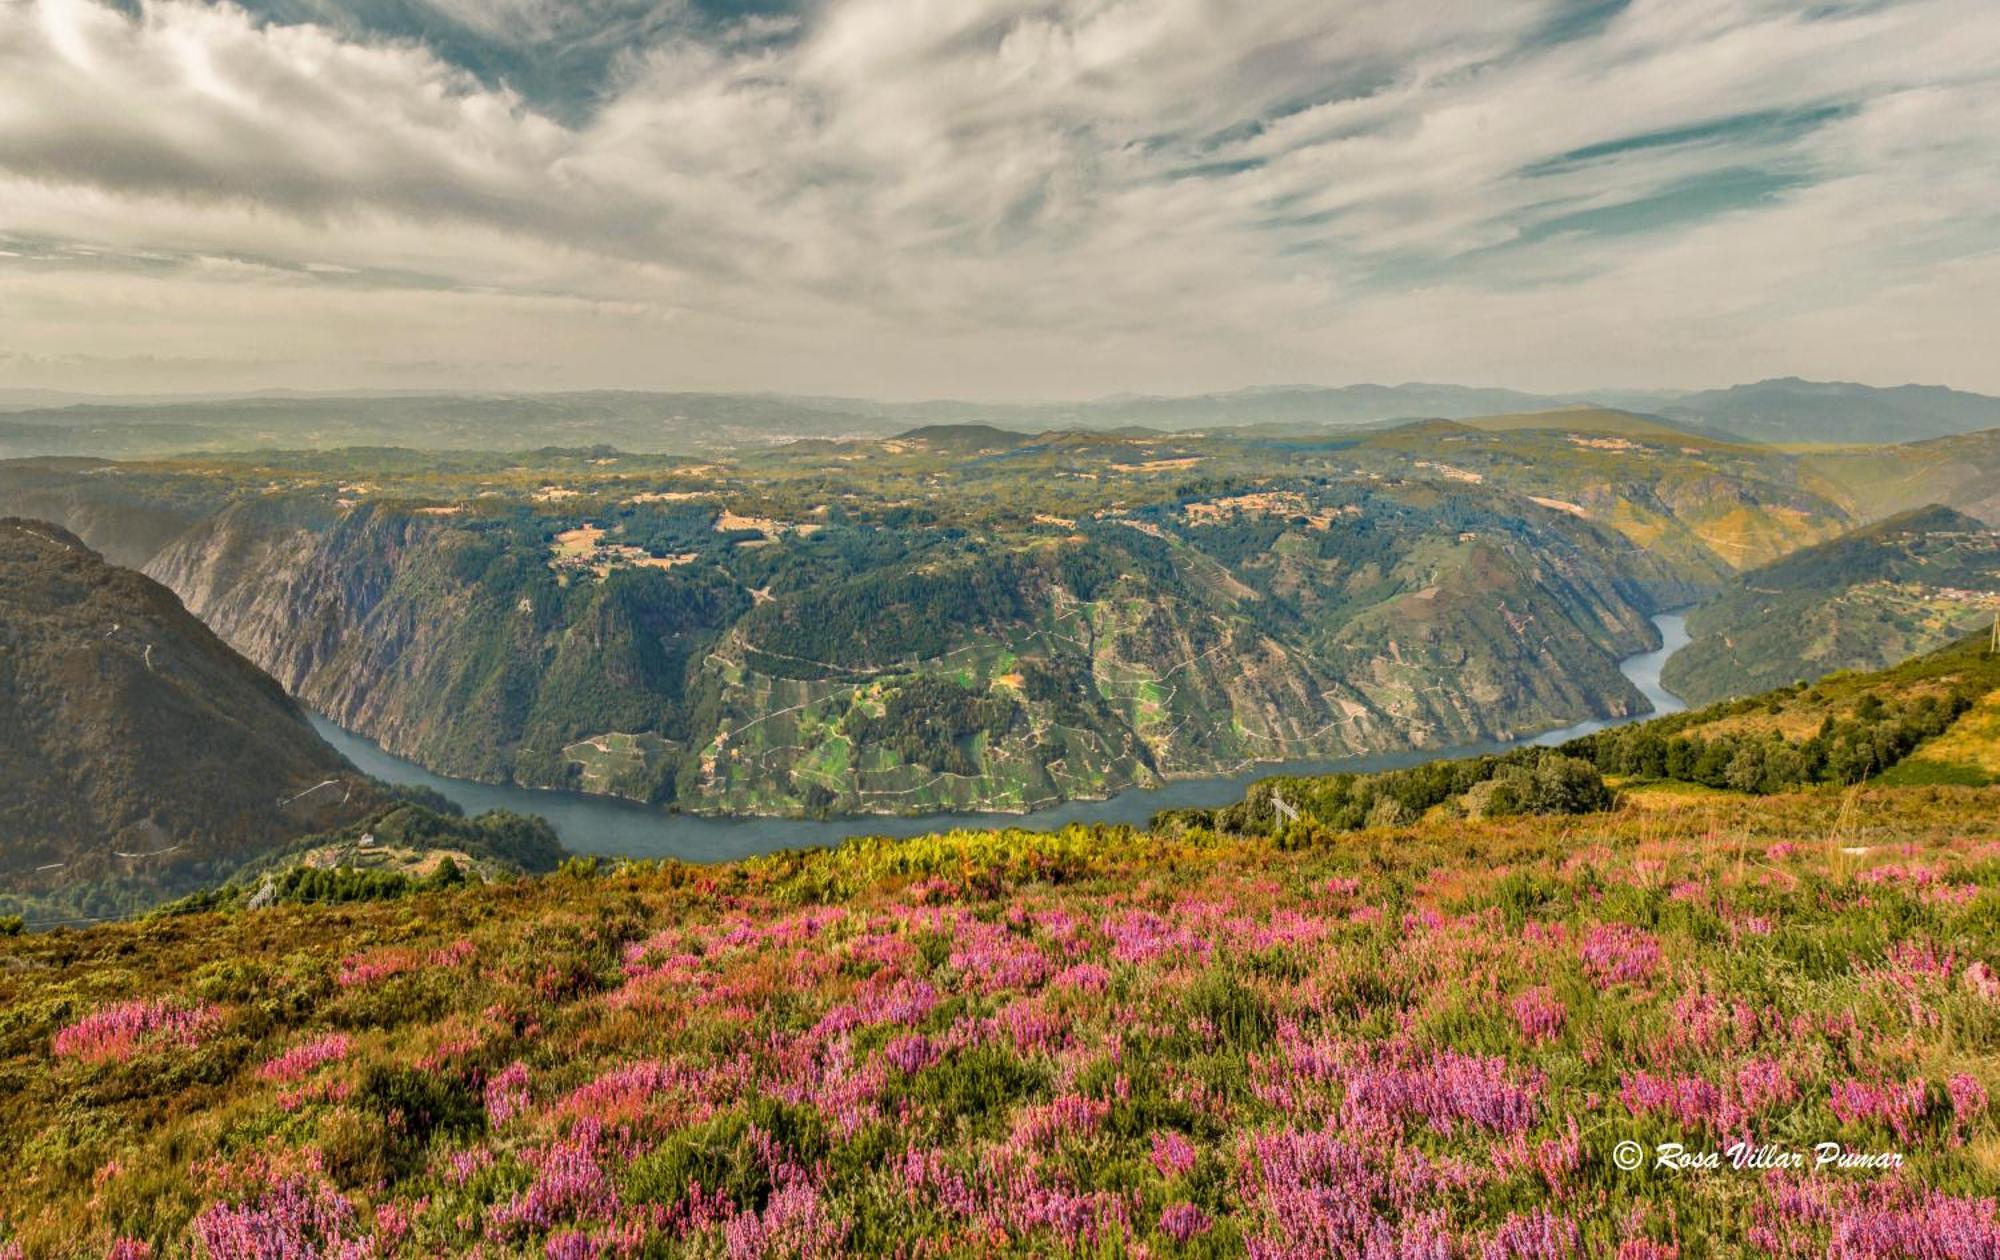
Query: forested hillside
1863, 601
1073, 613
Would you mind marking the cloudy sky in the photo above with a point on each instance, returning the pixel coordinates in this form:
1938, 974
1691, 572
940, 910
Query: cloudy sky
997, 198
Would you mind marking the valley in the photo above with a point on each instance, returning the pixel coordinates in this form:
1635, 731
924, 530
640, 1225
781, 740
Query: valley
957, 619
593, 824
712, 655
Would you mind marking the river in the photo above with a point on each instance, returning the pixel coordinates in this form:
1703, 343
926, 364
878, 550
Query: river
614, 828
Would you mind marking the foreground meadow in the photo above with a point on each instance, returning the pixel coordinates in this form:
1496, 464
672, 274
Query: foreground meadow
1421, 1042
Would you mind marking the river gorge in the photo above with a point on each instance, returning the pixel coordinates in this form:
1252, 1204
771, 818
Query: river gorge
610, 827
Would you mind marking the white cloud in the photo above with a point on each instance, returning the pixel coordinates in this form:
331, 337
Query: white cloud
911, 197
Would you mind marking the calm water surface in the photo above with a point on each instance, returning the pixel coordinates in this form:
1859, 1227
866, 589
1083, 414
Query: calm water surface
614, 828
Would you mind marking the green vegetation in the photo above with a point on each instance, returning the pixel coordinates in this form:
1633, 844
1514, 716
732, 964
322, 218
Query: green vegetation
1865, 600
1526, 781
1075, 1043
1198, 1038
397, 852
1850, 729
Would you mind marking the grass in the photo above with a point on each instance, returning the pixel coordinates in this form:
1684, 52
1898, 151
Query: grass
1099, 1041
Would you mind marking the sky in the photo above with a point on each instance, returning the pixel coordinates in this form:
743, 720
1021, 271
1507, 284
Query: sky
996, 198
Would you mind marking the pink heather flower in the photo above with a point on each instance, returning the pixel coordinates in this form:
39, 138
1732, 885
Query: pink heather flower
1968, 1105
569, 1185
296, 1216
1762, 1084
1078, 1220
1032, 1027
993, 959
1914, 964
465, 1165
792, 1226
357, 971
1959, 895
129, 1249
1071, 1115
303, 1058
927, 1177
571, 1245
12, 1251
1897, 1106
1983, 983
1448, 1088
393, 1221
1139, 936
911, 1054
1184, 1221
1318, 1192
1173, 1154
1690, 1100
1342, 886
904, 1002
117, 1033
1619, 953
507, 1094
1082, 978
1536, 1235
1539, 1014
456, 954
1647, 1249
1937, 1227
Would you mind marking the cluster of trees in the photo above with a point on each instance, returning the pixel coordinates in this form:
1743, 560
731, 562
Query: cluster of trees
1527, 781
671, 529
315, 885
516, 842
933, 722
879, 619
1850, 750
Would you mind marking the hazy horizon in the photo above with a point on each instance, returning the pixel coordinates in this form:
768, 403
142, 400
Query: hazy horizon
997, 200
10, 395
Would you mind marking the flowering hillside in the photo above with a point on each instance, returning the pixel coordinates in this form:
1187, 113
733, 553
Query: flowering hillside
1427, 1042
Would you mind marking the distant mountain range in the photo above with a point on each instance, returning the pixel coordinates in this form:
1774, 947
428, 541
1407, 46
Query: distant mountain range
137, 749
1785, 410
1792, 410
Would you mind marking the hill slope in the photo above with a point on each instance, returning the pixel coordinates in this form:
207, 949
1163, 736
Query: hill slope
1890, 590
1961, 472
1430, 1040
952, 619
137, 750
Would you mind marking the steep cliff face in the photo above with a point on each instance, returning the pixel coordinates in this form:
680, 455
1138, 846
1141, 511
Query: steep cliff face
136, 748
382, 621
1166, 641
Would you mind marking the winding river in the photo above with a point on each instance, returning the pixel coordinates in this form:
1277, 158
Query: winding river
611, 827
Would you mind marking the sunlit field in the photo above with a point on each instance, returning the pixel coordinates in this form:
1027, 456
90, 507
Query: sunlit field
1423, 1042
